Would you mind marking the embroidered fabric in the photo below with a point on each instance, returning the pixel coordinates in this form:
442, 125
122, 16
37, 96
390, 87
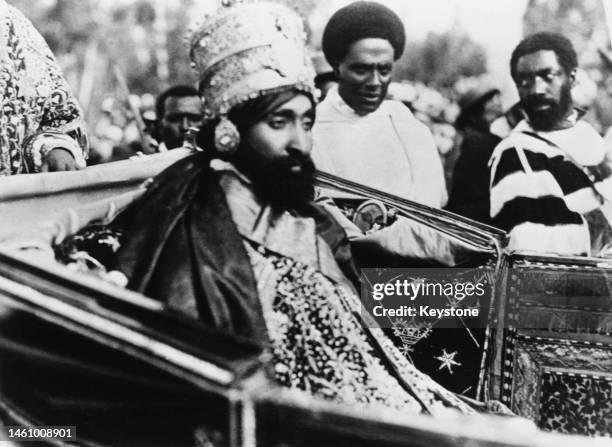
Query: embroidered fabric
320, 345
36, 103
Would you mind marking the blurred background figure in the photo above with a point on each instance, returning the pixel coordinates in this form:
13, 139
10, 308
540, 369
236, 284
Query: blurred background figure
177, 109
107, 133
116, 135
480, 106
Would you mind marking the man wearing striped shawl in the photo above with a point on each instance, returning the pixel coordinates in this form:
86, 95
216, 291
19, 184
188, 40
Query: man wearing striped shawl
550, 178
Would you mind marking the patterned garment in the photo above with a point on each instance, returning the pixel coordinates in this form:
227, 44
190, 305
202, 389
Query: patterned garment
320, 341
37, 111
320, 344
92, 251
96, 242
547, 187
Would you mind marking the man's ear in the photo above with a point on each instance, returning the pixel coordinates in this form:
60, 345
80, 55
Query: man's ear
572, 77
336, 68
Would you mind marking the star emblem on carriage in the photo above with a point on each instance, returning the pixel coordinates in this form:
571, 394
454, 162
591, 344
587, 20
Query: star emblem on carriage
447, 360
407, 351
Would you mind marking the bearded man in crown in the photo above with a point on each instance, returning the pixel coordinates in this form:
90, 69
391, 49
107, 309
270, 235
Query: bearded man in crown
230, 236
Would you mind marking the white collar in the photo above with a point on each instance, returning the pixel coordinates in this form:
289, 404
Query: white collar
222, 165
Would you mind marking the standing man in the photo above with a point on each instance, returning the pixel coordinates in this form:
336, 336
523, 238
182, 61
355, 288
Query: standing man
469, 195
362, 137
177, 109
358, 134
41, 124
550, 178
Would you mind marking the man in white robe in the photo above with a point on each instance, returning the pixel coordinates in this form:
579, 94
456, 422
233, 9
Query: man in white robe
388, 149
361, 136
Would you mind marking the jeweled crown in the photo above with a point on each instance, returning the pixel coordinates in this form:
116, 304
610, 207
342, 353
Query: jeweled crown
247, 50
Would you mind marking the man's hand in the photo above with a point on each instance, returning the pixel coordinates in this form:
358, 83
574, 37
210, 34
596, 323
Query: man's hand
58, 159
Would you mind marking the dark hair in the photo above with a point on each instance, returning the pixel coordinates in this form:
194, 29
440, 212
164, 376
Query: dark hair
322, 78
176, 91
561, 45
361, 20
472, 115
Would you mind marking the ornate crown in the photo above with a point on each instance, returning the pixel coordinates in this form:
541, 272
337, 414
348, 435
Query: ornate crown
247, 50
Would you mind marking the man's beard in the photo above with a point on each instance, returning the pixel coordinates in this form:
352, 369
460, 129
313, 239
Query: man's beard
547, 119
276, 182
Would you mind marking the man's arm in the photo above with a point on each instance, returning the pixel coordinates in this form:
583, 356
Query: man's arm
63, 142
60, 140
402, 243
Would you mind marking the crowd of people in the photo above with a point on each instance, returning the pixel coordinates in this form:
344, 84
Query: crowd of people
232, 235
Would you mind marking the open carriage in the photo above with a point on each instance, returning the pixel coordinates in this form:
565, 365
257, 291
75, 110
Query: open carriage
124, 370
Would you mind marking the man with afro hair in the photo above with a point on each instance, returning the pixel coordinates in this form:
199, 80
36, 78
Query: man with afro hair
361, 136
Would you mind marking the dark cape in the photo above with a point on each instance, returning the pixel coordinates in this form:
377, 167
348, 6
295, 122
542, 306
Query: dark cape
469, 195
180, 241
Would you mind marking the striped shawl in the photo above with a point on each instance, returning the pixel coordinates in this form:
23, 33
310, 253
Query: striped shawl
546, 187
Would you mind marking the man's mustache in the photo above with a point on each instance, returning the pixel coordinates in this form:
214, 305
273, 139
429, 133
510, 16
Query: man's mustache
537, 102
285, 164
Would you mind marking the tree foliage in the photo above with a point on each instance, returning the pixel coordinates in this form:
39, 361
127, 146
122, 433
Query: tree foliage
579, 20
90, 40
584, 23
442, 58
65, 24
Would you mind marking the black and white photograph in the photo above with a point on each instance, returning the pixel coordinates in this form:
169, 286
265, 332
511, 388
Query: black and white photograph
296, 223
